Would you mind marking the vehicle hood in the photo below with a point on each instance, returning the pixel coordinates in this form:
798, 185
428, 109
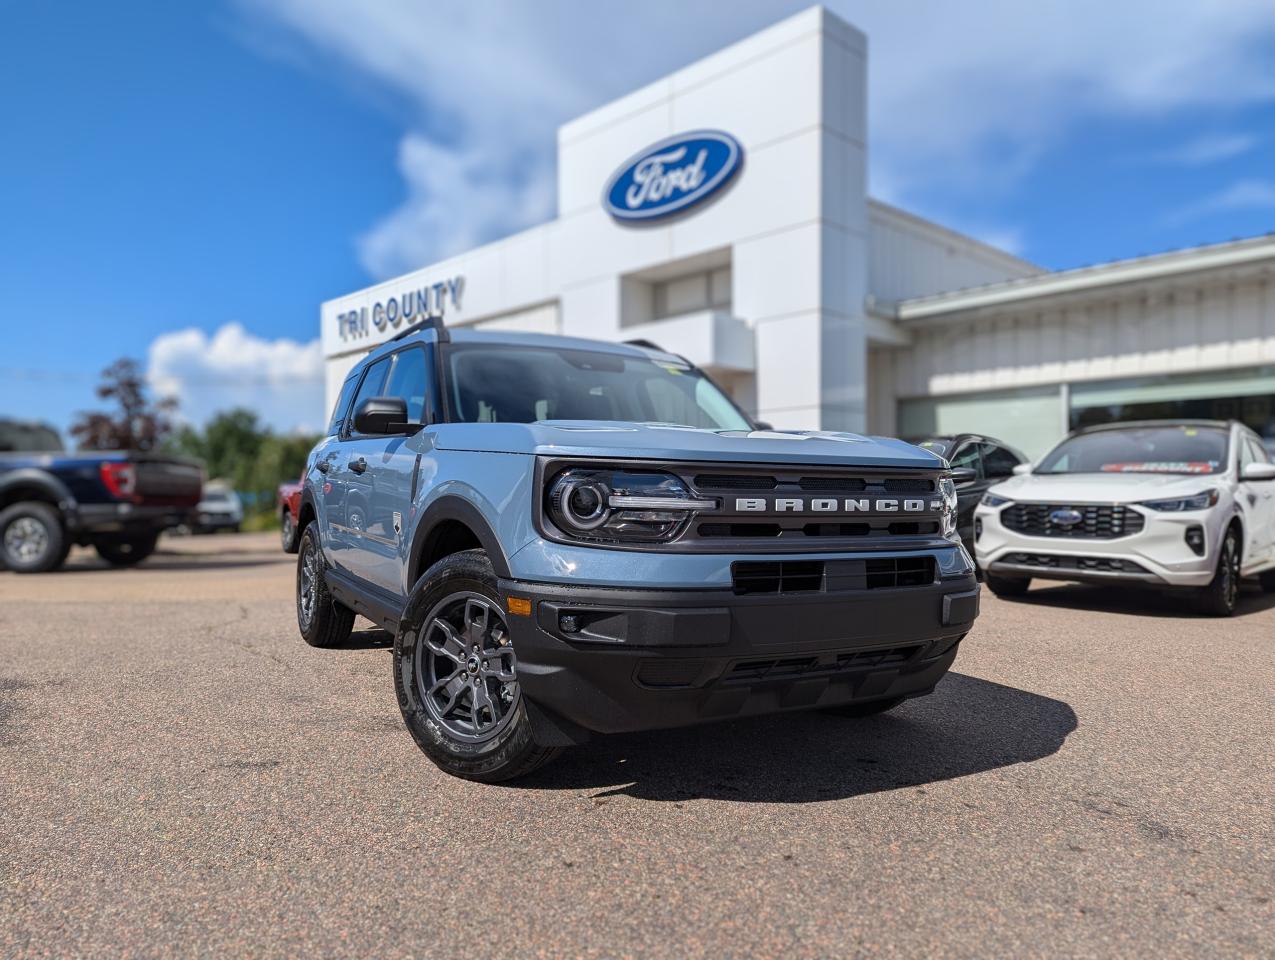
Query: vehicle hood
575, 438
1103, 487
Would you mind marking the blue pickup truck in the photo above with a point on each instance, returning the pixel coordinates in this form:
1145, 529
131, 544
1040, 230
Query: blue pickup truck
117, 502
570, 537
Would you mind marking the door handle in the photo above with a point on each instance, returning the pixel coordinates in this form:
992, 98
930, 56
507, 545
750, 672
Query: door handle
358, 466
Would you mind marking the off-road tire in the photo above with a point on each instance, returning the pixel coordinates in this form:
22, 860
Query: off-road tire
126, 553
288, 537
1221, 596
324, 622
1006, 586
511, 751
42, 522
868, 709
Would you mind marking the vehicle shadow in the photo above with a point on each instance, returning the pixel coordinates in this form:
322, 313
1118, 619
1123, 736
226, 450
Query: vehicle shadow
160, 561
966, 726
1139, 601
373, 638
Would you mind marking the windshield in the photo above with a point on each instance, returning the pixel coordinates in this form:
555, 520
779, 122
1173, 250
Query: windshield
938, 445
1188, 450
28, 438
511, 384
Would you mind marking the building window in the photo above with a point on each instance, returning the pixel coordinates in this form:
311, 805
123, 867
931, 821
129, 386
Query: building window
1244, 395
705, 290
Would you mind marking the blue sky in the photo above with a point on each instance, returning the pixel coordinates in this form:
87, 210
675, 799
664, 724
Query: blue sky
184, 183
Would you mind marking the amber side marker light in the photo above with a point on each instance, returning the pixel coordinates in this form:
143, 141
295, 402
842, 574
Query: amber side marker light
519, 606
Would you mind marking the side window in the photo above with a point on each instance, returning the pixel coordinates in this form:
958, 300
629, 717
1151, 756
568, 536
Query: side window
373, 380
967, 456
410, 380
342, 406
1253, 452
997, 461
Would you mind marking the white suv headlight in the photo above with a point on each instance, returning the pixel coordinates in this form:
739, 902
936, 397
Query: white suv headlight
992, 500
1201, 501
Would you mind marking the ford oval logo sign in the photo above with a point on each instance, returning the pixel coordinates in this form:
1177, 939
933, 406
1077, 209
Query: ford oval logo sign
672, 175
1065, 518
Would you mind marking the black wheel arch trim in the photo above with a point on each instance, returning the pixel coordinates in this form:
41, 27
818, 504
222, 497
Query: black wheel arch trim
45, 482
455, 508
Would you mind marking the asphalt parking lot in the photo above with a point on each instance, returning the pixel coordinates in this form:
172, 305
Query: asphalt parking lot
183, 776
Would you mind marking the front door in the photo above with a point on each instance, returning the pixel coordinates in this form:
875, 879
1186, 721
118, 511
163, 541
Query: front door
380, 472
1258, 497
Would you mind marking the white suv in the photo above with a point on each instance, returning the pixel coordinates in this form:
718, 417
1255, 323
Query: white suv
1177, 504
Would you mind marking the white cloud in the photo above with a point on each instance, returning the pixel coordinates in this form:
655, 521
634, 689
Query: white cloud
1206, 149
964, 96
280, 379
1239, 196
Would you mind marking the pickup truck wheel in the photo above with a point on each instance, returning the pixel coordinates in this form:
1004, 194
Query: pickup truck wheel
31, 538
288, 532
456, 675
322, 621
126, 553
1006, 586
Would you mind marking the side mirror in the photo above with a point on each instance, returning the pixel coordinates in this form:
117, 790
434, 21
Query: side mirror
381, 416
1022, 469
1258, 472
962, 475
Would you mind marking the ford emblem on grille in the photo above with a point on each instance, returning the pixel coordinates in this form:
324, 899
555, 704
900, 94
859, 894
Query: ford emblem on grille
1066, 518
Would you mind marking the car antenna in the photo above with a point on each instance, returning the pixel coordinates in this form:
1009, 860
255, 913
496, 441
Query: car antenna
434, 323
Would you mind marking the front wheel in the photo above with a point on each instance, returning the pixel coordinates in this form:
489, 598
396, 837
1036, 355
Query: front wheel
126, 553
456, 675
1220, 597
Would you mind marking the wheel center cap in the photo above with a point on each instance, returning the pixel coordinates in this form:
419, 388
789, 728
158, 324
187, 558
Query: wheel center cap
473, 664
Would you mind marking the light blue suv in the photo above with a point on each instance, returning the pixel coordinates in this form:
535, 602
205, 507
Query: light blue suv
568, 537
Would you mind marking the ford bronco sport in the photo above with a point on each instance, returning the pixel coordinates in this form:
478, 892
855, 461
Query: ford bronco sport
570, 537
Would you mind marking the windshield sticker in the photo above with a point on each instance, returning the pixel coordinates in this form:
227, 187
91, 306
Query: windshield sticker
672, 368
1166, 466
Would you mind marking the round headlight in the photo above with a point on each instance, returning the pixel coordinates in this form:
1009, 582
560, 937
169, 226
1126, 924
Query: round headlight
583, 503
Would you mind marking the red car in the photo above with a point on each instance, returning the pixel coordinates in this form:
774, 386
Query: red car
288, 507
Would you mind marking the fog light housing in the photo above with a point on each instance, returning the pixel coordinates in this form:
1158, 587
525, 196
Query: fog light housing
1195, 539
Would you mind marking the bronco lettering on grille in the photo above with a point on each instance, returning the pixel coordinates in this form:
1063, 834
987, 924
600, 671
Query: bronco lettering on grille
835, 505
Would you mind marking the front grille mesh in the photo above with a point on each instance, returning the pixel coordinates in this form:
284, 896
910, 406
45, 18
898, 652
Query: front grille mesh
814, 576
1098, 521
1051, 561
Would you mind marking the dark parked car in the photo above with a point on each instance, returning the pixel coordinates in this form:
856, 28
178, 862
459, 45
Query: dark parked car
118, 502
977, 463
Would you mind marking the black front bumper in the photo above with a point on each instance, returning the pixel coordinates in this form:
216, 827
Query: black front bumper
613, 660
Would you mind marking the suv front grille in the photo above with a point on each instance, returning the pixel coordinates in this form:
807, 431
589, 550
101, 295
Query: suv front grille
1097, 521
1052, 561
817, 576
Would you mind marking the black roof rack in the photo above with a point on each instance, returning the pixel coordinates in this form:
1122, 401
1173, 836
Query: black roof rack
429, 323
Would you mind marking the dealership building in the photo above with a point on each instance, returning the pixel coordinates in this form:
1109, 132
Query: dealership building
722, 213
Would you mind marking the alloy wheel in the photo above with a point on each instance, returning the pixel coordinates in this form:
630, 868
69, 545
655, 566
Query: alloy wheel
307, 584
1230, 571
26, 539
466, 676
